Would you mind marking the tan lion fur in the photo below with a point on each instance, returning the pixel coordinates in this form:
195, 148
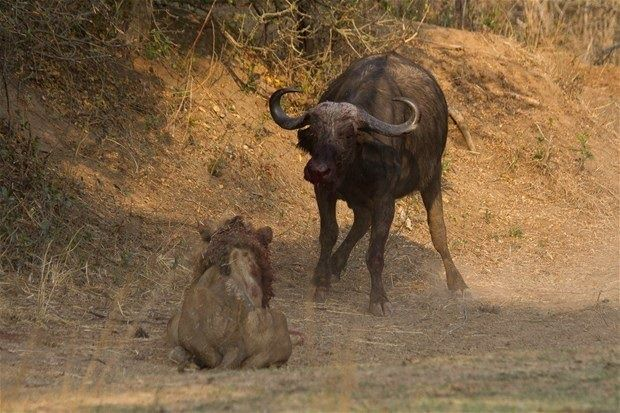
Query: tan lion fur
224, 321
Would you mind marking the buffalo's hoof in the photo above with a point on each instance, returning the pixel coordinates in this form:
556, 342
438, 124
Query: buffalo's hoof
320, 295
337, 268
380, 309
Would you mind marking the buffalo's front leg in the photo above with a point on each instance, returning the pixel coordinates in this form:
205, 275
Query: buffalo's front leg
361, 223
329, 234
382, 217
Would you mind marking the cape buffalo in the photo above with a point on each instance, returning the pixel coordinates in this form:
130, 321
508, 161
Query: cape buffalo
377, 134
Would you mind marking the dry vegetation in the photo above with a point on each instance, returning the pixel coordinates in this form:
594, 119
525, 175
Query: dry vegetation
118, 133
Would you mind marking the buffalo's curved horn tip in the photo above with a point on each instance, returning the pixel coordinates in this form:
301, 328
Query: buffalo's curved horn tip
373, 124
277, 113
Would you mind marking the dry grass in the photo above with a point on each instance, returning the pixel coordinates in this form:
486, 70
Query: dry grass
77, 47
32, 195
584, 28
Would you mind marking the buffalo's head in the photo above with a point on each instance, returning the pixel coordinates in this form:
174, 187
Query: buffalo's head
329, 133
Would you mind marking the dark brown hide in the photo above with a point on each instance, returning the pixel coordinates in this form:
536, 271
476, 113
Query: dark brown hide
370, 163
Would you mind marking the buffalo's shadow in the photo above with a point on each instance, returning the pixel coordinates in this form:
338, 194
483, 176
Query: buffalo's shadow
409, 265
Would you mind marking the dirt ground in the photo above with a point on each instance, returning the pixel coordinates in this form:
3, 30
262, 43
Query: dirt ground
532, 220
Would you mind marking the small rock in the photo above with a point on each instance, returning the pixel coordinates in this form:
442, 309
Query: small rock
408, 224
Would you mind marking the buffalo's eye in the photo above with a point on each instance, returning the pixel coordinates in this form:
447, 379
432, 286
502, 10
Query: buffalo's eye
346, 130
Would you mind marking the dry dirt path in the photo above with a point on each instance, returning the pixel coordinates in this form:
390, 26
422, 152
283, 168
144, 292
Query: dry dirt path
438, 352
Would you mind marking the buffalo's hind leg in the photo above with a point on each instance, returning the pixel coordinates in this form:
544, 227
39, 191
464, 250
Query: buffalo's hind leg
361, 223
326, 202
382, 217
431, 196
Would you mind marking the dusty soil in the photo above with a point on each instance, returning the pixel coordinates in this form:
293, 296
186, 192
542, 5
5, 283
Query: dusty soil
532, 219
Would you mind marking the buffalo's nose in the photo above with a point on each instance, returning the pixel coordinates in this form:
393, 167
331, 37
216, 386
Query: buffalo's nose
316, 172
321, 170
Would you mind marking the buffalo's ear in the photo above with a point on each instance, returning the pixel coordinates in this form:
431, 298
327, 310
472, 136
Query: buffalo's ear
206, 229
305, 139
265, 235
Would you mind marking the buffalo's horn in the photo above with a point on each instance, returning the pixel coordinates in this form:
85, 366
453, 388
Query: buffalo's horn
370, 123
277, 113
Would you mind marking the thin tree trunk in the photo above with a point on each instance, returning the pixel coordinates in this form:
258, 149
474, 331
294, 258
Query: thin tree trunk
304, 28
460, 11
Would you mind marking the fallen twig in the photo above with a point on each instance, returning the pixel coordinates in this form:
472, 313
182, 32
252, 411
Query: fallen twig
6, 92
526, 99
443, 45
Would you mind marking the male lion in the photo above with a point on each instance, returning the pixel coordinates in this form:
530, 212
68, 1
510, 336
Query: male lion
225, 320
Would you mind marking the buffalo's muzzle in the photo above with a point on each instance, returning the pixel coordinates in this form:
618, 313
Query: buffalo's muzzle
318, 172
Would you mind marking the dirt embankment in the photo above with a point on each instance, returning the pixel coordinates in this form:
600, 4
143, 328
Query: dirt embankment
532, 219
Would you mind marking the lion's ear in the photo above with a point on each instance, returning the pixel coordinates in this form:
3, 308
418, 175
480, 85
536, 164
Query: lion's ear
265, 235
206, 229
